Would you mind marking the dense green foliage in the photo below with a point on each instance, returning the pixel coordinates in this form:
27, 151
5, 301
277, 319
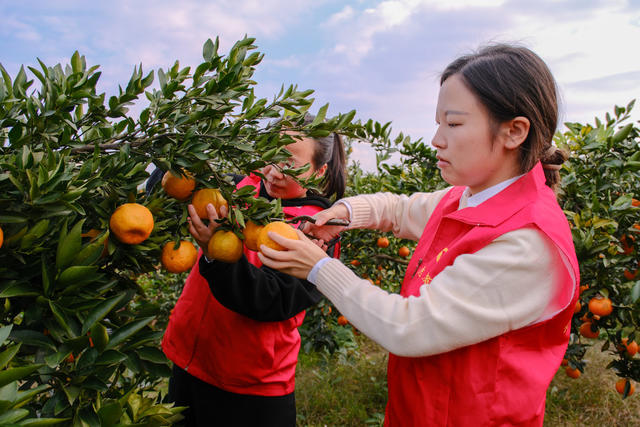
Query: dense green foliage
81, 328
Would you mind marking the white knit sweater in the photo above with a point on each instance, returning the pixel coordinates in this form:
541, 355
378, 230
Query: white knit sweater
506, 285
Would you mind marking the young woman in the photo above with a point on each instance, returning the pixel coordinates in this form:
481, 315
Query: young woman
233, 333
483, 318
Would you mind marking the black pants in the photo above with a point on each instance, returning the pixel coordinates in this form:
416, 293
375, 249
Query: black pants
211, 406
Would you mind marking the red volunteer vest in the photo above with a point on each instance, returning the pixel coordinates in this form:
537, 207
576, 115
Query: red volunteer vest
501, 381
227, 349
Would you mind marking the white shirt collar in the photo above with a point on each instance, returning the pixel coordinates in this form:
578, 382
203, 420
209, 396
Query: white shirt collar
471, 201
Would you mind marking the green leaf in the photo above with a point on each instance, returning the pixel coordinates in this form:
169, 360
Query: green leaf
76, 62
13, 416
7, 355
110, 357
14, 374
43, 421
322, 112
635, 292
127, 330
152, 354
18, 290
61, 318
76, 275
207, 50
69, 245
110, 413
4, 333
100, 311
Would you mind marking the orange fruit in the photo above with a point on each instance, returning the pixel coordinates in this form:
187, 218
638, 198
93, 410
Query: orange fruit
577, 308
404, 251
131, 223
1, 237
635, 202
586, 331
600, 305
621, 383
564, 362
280, 227
636, 226
631, 348
573, 373
203, 197
342, 321
383, 242
251, 232
629, 275
178, 187
181, 259
584, 288
224, 246
355, 262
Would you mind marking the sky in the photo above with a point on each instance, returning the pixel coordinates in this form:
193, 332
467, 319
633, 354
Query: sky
381, 58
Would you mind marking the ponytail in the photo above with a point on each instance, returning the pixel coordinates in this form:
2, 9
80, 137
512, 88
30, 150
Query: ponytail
329, 151
335, 177
552, 159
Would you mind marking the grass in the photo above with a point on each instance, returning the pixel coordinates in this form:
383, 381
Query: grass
350, 390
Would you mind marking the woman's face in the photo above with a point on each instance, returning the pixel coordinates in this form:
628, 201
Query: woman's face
468, 152
281, 186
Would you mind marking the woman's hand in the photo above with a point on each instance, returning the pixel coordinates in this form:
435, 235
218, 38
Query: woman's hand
299, 258
327, 232
202, 233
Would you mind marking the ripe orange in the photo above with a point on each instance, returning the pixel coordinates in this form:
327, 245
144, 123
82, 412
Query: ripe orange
573, 373
342, 321
627, 247
404, 251
636, 226
631, 348
355, 262
600, 305
178, 187
629, 275
131, 223
635, 202
225, 246
203, 197
621, 383
1, 237
564, 362
251, 232
181, 259
577, 308
586, 331
584, 288
280, 227
383, 242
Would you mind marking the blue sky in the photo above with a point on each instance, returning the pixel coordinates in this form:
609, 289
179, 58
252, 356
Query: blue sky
381, 58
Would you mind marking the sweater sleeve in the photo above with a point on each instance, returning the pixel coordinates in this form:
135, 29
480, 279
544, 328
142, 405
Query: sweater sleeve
261, 294
406, 216
504, 286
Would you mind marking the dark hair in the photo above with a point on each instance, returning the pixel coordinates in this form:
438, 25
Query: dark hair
512, 81
329, 150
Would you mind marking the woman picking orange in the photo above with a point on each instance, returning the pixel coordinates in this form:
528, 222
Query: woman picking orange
483, 318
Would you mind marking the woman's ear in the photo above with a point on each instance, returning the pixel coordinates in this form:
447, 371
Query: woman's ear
515, 131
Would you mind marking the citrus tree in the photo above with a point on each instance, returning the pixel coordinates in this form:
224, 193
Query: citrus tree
80, 335
599, 193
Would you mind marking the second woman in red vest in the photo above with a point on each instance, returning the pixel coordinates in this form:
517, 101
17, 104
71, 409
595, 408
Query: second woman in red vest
483, 318
233, 333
